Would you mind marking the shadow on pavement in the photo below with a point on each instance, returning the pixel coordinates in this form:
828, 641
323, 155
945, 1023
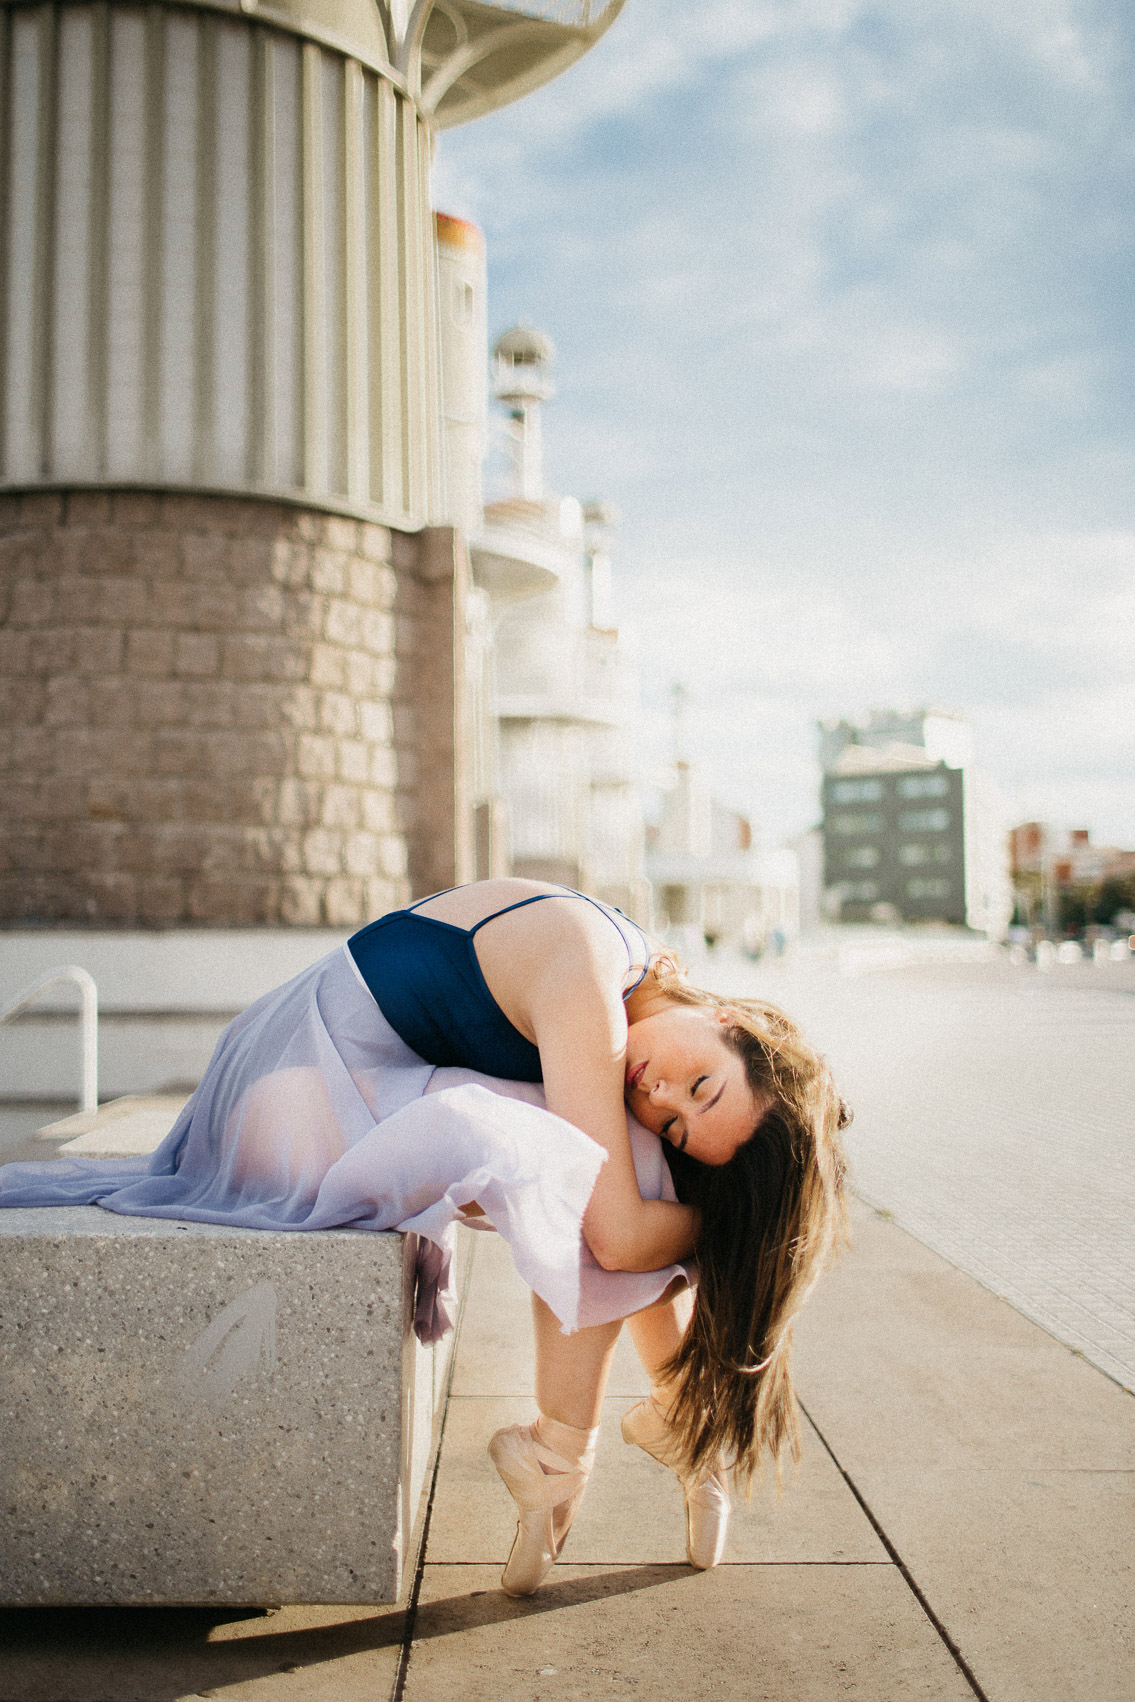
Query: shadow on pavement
493, 1607
89, 1654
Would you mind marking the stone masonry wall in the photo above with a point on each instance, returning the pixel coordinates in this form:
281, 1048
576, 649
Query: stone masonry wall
220, 712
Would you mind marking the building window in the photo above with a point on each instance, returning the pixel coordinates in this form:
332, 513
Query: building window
913, 856
924, 821
856, 821
861, 857
856, 791
924, 786
462, 304
859, 892
926, 887
676, 903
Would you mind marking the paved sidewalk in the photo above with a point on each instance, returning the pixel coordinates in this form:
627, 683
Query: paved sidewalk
995, 1119
962, 1524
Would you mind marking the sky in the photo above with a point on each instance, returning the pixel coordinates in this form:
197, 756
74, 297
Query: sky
842, 294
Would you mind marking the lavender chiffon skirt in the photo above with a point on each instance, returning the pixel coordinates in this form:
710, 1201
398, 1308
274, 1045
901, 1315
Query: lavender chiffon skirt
314, 1114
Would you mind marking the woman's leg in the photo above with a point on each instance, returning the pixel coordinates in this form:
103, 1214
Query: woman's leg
657, 1333
657, 1330
571, 1371
546, 1465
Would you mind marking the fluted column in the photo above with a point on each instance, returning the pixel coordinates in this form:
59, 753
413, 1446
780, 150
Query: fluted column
218, 265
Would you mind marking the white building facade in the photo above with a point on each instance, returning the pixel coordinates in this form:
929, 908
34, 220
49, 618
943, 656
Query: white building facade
711, 883
564, 687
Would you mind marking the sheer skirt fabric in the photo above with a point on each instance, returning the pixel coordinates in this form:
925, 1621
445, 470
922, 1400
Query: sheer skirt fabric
314, 1114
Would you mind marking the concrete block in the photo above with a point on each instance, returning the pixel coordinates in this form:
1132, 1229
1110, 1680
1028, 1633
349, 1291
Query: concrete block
198, 1414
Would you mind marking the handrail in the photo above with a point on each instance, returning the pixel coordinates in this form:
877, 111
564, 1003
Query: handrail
89, 1017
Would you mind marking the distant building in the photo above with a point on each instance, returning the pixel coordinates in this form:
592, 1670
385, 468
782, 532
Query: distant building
1067, 855
809, 850
709, 882
911, 831
1049, 864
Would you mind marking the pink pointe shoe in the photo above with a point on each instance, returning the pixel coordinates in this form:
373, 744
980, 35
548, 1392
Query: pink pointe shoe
706, 1495
547, 1485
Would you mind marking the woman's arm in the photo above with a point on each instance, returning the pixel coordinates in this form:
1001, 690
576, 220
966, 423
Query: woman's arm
581, 1031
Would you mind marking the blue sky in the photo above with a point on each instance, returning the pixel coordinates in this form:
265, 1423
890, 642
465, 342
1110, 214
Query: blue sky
842, 294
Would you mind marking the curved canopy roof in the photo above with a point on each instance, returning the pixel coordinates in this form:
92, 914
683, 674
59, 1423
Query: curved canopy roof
457, 59
475, 57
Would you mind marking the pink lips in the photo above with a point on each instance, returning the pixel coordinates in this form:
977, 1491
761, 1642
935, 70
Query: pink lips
636, 1075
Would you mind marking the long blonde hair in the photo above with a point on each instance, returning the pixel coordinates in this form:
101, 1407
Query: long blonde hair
772, 1219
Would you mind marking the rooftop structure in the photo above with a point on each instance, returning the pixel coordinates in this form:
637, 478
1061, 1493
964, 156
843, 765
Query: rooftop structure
896, 736
218, 248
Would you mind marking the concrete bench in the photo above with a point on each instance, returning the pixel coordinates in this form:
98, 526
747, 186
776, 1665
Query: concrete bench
197, 1414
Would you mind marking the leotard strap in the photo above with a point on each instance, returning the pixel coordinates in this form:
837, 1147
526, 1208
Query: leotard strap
567, 892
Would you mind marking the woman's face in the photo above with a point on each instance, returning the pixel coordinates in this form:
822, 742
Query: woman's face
684, 1082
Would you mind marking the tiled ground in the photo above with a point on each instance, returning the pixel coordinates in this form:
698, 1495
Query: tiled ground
995, 1119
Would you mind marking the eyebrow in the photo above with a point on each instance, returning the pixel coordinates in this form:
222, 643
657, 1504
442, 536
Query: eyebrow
709, 1105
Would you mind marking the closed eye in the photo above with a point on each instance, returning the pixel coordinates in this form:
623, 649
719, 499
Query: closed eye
697, 1084
666, 1129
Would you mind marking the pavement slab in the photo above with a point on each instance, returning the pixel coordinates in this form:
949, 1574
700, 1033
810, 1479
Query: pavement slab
808, 1605
499, 1356
632, 1513
669, 1634
903, 1360
1000, 1465
1031, 1573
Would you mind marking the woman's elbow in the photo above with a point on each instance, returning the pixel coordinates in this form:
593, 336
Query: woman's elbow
611, 1252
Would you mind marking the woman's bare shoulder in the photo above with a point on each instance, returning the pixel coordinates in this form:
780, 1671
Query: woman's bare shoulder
514, 917
468, 906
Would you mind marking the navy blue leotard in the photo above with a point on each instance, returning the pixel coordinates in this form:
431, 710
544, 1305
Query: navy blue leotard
424, 977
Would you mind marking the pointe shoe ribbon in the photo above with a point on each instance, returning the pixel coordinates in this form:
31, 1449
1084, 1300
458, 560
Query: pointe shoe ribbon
547, 1489
706, 1492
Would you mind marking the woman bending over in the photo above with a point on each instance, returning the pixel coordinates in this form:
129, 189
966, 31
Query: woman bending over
751, 1116
316, 1110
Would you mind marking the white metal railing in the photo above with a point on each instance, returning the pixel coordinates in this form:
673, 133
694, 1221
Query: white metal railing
89, 1018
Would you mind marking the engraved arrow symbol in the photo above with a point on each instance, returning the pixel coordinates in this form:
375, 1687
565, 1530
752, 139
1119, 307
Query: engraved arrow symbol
231, 1347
